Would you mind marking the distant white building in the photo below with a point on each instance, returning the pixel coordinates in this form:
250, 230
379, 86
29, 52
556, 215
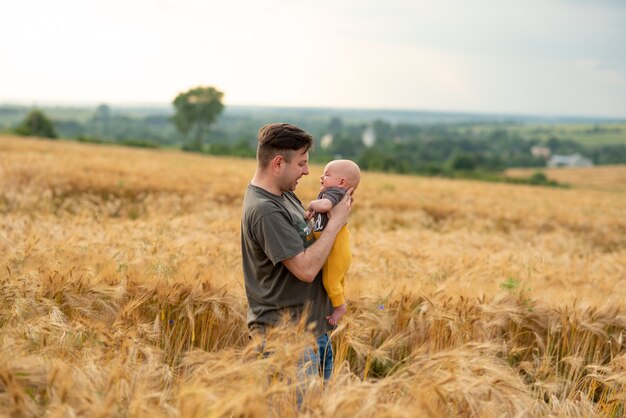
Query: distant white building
574, 160
326, 141
539, 151
369, 136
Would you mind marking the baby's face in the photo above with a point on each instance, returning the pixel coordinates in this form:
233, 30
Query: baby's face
331, 177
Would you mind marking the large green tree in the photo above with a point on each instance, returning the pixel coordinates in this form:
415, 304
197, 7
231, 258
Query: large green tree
196, 109
36, 124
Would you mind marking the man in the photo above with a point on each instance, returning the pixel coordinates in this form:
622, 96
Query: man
282, 261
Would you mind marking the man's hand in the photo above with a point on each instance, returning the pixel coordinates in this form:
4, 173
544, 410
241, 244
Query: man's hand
338, 215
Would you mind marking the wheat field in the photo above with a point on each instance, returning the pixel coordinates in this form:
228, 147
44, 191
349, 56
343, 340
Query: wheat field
122, 294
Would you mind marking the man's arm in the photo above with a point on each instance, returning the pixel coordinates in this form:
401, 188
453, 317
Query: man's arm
309, 262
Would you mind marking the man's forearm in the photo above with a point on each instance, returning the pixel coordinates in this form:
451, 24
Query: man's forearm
308, 263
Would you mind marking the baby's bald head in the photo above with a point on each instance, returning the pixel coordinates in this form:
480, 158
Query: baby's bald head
348, 170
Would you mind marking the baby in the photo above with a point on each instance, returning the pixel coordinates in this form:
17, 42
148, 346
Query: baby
339, 176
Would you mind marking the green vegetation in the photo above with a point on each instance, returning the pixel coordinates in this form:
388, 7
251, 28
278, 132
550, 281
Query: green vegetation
536, 179
510, 283
196, 110
590, 135
36, 124
452, 145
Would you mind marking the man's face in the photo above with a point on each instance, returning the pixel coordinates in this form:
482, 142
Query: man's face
293, 171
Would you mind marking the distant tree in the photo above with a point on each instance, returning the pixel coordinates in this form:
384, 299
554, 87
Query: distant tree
346, 145
36, 124
196, 109
335, 125
375, 160
462, 162
103, 113
69, 128
100, 121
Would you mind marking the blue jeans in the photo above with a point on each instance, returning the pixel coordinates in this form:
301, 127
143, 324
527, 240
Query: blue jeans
315, 364
322, 361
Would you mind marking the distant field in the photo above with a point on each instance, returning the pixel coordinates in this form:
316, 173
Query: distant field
595, 134
122, 293
608, 178
586, 134
16, 115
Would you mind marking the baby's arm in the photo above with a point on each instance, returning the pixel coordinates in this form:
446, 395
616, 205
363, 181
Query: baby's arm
320, 205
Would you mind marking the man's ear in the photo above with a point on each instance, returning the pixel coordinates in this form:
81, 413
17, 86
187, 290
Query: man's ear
277, 161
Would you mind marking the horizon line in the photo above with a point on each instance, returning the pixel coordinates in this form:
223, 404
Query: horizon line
140, 104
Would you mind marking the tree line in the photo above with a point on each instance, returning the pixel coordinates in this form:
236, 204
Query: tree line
197, 125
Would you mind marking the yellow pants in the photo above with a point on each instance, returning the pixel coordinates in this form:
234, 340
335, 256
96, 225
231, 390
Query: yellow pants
336, 266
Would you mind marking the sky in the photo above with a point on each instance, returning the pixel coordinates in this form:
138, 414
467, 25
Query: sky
535, 57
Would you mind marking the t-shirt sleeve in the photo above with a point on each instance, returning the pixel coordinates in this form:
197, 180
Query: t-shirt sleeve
334, 194
278, 237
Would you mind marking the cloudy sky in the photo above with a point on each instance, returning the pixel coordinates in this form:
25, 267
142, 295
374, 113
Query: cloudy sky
541, 57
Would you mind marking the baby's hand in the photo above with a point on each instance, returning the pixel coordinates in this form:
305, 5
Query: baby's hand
309, 214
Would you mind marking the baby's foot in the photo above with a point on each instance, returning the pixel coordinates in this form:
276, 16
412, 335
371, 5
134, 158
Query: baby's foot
338, 312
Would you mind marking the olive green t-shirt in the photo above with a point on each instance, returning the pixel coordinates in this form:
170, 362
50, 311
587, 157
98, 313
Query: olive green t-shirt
273, 229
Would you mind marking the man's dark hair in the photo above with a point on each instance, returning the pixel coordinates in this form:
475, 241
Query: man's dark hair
283, 139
